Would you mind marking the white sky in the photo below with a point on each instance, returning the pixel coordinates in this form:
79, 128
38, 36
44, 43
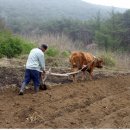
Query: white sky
115, 3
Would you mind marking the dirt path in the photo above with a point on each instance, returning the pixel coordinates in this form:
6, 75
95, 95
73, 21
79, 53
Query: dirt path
101, 103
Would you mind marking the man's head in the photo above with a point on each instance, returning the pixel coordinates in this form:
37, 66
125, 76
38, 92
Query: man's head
43, 47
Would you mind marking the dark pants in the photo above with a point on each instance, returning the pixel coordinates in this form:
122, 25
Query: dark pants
33, 75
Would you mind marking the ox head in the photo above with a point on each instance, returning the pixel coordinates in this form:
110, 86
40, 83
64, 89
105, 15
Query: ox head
98, 62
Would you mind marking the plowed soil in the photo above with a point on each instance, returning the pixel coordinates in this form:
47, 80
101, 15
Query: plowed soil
103, 102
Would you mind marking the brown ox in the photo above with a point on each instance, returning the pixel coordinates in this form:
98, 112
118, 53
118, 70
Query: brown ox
79, 60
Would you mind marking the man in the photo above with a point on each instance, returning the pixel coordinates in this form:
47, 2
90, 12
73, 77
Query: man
35, 66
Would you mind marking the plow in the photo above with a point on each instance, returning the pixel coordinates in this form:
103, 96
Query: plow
50, 73
86, 67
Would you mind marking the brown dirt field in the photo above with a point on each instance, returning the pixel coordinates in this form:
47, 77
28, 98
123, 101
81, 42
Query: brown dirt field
101, 103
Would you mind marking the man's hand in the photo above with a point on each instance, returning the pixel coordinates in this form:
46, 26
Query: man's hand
47, 72
43, 72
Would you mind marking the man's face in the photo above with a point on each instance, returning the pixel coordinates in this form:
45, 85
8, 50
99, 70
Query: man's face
44, 49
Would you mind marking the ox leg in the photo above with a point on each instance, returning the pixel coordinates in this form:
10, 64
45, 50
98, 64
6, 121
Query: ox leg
74, 75
74, 78
91, 75
83, 75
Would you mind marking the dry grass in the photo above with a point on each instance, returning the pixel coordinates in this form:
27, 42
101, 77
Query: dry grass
122, 59
62, 42
13, 62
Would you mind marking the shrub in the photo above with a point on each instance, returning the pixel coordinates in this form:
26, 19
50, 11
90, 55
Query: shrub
27, 46
65, 53
1, 55
12, 46
108, 60
52, 52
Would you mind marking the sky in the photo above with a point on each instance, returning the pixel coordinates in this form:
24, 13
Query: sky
114, 3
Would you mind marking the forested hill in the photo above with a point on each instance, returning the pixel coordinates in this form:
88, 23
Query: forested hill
36, 11
40, 17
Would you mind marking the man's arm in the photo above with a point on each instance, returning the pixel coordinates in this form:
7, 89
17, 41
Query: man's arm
42, 61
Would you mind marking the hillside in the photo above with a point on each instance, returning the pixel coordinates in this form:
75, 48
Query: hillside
34, 12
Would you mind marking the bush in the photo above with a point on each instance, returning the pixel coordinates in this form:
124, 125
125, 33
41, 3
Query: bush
27, 46
108, 60
12, 46
52, 52
1, 55
65, 53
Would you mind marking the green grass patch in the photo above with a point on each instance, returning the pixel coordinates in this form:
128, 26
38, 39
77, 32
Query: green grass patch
109, 60
65, 54
52, 52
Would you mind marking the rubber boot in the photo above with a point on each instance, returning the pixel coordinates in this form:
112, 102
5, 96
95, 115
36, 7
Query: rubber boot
22, 88
36, 89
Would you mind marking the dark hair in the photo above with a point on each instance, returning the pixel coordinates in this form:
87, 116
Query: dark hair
44, 46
